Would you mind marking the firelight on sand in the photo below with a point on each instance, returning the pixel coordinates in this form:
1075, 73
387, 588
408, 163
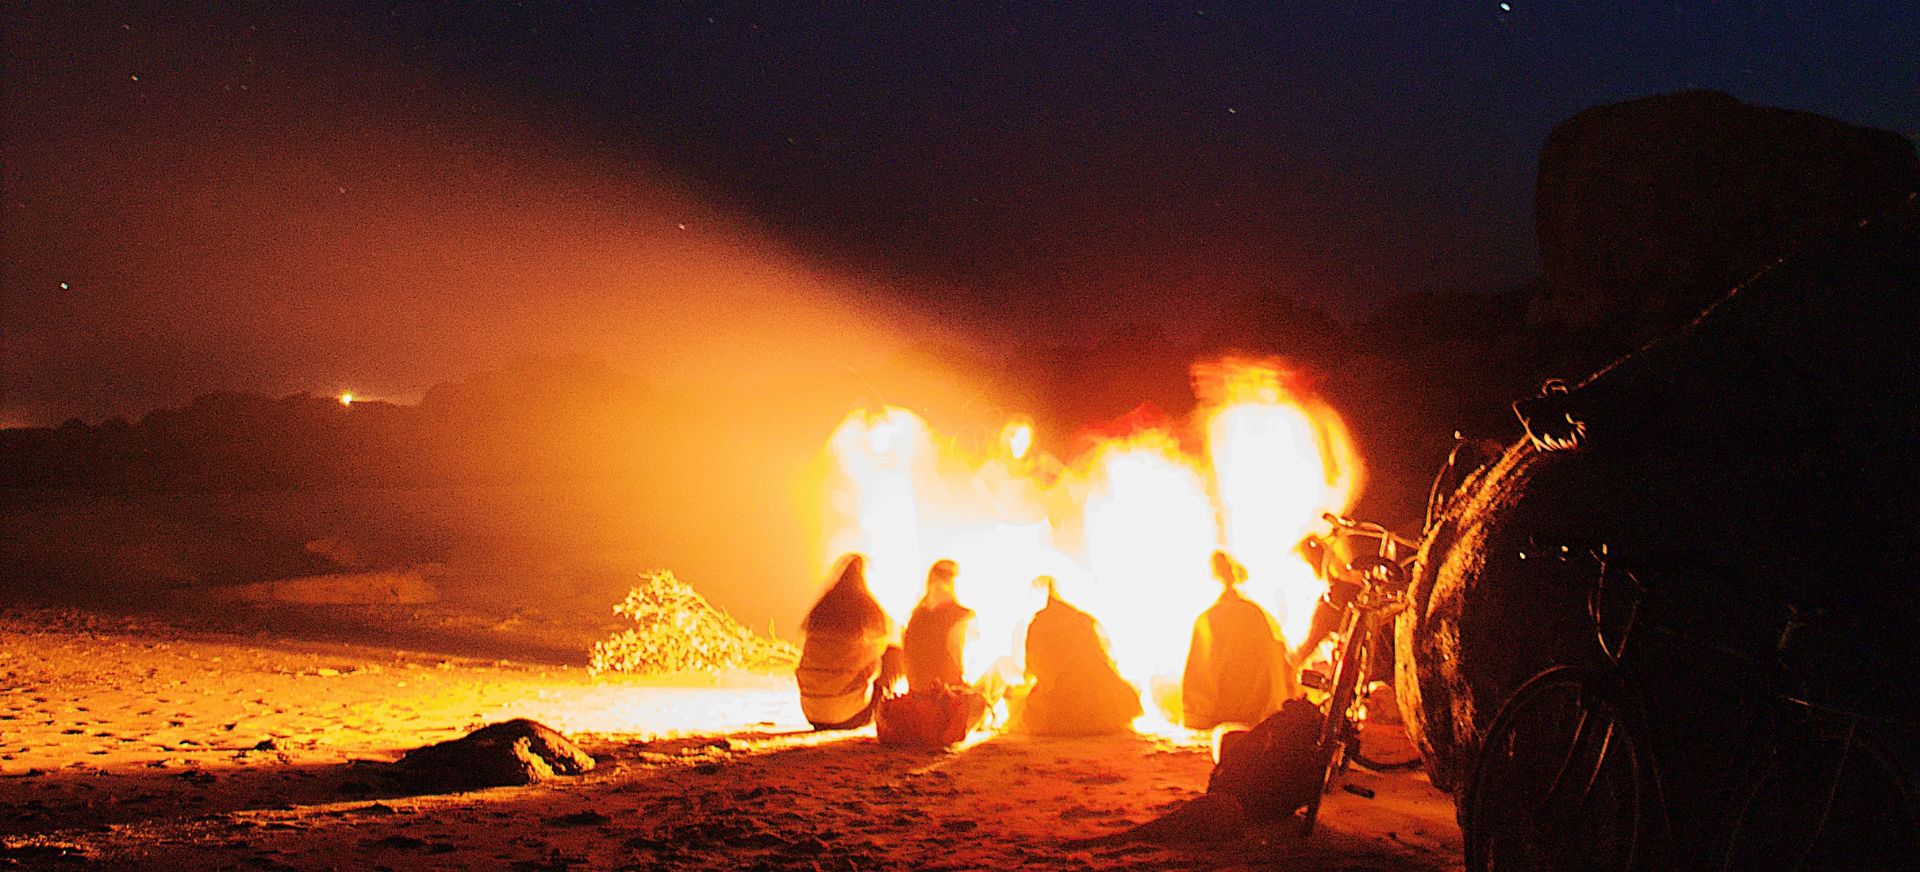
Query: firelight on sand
1125, 528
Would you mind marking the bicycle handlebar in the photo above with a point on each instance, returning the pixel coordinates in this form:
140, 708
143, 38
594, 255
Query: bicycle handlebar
1369, 528
1385, 573
1392, 573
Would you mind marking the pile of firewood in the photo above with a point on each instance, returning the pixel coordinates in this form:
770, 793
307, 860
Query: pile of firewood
676, 630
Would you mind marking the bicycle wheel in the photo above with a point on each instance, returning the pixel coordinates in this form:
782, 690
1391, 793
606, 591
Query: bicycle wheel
1333, 760
1561, 783
1337, 729
1826, 798
1374, 764
1341, 707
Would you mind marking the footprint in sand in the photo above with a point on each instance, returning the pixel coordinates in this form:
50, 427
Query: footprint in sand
1081, 812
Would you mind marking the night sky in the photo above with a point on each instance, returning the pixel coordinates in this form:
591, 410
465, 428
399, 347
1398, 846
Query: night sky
381, 197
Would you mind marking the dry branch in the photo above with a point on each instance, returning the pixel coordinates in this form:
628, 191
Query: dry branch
677, 630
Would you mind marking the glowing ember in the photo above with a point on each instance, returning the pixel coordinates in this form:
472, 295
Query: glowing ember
346, 399
1126, 528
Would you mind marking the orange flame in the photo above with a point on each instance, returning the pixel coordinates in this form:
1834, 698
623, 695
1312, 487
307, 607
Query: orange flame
1126, 529
1280, 461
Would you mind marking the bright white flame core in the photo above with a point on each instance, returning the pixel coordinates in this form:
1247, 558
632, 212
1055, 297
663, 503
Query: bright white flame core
1018, 437
1126, 530
1149, 529
1270, 500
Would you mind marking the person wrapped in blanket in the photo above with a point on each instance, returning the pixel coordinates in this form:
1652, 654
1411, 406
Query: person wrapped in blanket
847, 660
1076, 690
1238, 668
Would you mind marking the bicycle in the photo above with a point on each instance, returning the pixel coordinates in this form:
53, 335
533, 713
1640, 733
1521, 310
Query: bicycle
1567, 776
1364, 594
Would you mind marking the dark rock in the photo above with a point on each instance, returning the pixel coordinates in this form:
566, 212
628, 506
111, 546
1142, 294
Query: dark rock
509, 753
1757, 459
1650, 209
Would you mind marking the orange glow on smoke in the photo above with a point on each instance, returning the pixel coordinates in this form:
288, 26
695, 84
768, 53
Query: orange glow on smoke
1126, 527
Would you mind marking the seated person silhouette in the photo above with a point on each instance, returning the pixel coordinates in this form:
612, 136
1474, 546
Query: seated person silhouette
1076, 690
845, 661
1238, 671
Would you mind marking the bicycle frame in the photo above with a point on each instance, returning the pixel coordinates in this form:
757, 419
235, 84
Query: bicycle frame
1382, 581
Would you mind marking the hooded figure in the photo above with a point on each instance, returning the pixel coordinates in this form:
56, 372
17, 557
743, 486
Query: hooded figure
936, 637
1238, 671
845, 661
1076, 689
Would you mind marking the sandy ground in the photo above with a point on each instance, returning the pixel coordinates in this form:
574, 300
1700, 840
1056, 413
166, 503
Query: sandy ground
128, 743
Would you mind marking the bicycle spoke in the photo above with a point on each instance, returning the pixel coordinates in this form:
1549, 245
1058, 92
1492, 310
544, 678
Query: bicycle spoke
1553, 791
1566, 761
1599, 763
1832, 794
1833, 789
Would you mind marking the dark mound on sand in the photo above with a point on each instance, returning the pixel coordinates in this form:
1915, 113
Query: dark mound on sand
505, 754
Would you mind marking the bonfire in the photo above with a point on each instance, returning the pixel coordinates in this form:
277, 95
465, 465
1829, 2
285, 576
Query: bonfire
676, 630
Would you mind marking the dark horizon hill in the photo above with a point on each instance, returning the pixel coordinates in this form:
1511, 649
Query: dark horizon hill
546, 485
